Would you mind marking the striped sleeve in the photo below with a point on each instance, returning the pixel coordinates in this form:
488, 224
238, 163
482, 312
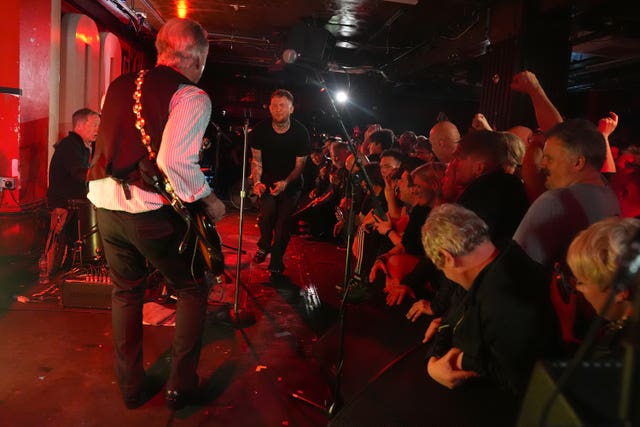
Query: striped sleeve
189, 114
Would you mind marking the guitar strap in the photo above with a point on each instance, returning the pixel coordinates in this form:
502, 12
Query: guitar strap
152, 175
149, 170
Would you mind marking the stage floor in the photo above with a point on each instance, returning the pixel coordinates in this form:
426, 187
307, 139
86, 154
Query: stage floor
56, 361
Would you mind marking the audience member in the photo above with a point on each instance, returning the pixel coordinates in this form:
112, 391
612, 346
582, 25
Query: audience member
626, 185
380, 141
577, 197
497, 197
364, 147
406, 141
505, 321
422, 149
444, 137
515, 153
594, 257
420, 190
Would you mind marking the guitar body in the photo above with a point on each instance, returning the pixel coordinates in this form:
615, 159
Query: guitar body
211, 245
209, 241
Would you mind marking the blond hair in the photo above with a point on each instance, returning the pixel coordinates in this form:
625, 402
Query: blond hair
431, 172
595, 252
515, 149
181, 40
454, 229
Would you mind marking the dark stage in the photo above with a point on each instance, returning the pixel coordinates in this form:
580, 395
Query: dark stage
56, 360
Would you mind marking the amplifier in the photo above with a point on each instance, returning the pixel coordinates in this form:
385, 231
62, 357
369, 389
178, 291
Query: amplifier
87, 291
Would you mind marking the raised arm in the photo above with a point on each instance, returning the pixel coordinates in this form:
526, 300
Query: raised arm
606, 126
547, 115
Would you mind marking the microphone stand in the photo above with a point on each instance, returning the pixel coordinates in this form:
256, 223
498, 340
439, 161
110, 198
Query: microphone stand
238, 317
337, 402
219, 135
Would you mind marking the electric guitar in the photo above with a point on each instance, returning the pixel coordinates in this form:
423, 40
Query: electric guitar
194, 215
209, 241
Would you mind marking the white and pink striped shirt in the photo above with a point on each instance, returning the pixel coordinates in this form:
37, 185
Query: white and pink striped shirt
189, 114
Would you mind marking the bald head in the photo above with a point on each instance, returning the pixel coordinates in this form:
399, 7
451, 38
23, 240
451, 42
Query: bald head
521, 131
444, 137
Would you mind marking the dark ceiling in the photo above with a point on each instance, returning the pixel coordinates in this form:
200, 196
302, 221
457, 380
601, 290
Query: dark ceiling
400, 41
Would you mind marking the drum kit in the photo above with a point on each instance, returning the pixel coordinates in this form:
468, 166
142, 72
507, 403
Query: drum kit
74, 247
88, 246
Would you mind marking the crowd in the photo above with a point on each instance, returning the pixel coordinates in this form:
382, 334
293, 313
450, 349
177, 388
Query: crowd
507, 239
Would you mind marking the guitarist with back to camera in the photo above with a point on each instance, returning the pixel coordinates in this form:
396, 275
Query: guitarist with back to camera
158, 116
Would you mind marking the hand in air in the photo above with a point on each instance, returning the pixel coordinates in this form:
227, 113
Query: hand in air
525, 82
480, 122
607, 125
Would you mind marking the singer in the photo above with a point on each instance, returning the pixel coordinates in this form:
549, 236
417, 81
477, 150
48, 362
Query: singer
279, 149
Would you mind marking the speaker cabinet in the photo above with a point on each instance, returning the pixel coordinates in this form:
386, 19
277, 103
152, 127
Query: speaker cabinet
591, 396
85, 291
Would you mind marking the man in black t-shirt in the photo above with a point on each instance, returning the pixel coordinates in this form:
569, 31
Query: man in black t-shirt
279, 150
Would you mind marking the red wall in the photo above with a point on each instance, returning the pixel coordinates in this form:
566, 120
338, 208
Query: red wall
24, 120
9, 103
35, 64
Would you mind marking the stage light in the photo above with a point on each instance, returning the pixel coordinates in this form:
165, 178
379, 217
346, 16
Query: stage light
182, 8
341, 96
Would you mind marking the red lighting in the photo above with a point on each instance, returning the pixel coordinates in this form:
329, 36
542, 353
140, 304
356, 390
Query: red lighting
181, 9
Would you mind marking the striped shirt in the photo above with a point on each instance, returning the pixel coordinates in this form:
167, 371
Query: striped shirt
178, 157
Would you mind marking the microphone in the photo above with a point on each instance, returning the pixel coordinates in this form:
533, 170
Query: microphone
290, 56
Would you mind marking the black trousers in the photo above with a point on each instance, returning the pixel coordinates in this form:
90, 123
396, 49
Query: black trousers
275, 225
130, 240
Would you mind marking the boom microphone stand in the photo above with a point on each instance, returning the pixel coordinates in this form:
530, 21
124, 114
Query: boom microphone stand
337, 401
237, 317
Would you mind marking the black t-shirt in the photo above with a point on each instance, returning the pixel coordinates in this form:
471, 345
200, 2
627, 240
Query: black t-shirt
279, 151
500, 200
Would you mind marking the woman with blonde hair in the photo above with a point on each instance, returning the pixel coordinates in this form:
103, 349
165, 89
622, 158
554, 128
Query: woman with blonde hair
594, 258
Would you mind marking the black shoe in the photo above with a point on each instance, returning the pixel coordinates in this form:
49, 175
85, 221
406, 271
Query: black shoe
260, 256
277, 274
149, 389
134, 402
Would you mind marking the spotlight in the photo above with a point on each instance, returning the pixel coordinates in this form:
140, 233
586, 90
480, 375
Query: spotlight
342, 97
